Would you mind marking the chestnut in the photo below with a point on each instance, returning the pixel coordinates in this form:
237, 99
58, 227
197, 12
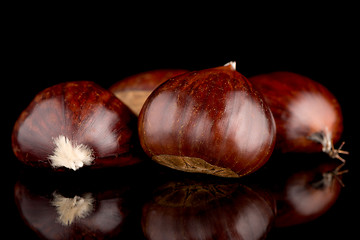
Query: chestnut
209, 121
308, 116
71, 125
204, 210
135, 89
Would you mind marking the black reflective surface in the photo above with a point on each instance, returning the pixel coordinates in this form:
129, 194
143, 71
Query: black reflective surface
293, 193
120, 203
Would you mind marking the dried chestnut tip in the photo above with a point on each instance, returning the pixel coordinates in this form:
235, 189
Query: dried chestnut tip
334, 153
193, 165
232, 65
324, 138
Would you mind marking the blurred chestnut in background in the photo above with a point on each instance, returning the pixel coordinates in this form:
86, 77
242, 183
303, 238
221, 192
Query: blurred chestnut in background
199, 210
135, 89
210, 121
308, 117
74, 124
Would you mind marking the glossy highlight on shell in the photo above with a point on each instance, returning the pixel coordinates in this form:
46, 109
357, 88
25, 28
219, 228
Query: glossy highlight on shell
71, 125
214, 115
308, 116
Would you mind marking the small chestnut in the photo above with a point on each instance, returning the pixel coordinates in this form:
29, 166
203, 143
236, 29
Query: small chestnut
71, 125
135, 89
307, 115
210, 121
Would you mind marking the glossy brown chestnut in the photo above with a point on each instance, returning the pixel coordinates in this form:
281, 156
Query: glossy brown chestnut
135, 89
71, 125
210, 121
308, 117
204, 211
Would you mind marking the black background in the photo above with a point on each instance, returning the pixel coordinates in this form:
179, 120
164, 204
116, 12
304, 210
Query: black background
38, 56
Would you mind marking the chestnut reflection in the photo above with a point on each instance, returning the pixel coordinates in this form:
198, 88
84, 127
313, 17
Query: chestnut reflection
89, 205
304, 186
207, 210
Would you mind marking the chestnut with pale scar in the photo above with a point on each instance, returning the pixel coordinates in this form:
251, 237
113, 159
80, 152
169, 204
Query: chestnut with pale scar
72, 124
209, 121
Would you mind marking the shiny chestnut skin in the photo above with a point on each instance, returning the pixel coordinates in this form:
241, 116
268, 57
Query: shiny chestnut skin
135, 89
210, 121
206, 210
308, 117
72, 121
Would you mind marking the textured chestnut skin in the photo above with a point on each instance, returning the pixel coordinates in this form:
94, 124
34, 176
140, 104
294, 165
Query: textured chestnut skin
205, 211
212, 115
134, 90
301, 108
83, 112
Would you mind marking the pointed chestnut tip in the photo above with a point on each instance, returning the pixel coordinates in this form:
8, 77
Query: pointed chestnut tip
232, 64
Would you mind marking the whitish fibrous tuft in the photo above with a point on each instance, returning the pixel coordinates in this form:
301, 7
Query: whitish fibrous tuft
70, 155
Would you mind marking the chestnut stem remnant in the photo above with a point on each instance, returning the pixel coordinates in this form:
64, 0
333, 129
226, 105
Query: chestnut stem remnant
334, 153
69, 155
232, 64
324, 138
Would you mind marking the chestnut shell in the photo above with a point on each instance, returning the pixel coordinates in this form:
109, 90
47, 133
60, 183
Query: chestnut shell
302, 108
134, 90
83, 112
211, 121
146, 80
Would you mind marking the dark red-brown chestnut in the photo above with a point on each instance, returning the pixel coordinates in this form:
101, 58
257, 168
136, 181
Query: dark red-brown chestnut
210, 121
308, 117
134, 90
207, 210
71, 125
